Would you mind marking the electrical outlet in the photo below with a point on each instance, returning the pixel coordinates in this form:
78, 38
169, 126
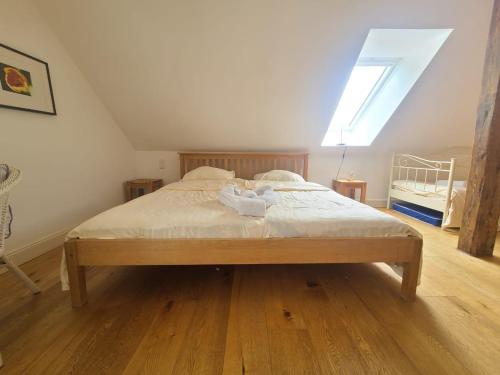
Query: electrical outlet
161, 163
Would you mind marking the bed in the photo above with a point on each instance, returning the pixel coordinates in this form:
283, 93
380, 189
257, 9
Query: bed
429, 183
183, 224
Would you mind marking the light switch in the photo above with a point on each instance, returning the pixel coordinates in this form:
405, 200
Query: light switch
161, 163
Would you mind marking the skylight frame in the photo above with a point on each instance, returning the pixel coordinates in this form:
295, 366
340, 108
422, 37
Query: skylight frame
389, 68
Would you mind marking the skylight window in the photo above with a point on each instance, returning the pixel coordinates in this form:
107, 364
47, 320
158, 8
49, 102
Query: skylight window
389, 64
363, 83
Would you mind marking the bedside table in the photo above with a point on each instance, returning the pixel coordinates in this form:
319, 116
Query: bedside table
348, 188
142, 186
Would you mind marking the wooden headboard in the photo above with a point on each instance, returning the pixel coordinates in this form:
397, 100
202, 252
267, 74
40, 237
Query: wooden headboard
246, 164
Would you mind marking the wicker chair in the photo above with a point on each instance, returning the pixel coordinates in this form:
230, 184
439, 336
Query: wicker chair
5, 186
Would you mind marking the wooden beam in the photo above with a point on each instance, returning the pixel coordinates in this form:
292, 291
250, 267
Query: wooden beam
482, 202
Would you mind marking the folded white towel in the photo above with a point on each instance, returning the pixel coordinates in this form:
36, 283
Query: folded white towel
270, 197
251, 207
245, 206
248, 194
228, 199
248, 202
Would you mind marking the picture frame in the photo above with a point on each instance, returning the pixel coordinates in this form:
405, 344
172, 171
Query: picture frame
25, 82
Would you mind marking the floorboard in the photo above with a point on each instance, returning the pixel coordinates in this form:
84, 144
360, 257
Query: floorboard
310, 319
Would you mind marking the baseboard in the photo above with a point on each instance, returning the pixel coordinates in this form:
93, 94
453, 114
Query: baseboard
377, 203
26, 253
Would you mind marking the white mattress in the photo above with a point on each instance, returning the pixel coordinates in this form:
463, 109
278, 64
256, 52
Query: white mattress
429, 189
191, 210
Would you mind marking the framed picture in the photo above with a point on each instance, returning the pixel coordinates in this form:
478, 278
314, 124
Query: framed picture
25, 82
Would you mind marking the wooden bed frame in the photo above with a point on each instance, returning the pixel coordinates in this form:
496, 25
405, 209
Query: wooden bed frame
81, 253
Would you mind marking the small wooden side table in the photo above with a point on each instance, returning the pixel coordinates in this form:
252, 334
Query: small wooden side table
142, 186
348, 188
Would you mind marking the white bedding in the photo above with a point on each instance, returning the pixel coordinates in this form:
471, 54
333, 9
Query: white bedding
190, 209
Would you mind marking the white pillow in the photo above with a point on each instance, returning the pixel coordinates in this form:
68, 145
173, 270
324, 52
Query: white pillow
208, 173
279, 175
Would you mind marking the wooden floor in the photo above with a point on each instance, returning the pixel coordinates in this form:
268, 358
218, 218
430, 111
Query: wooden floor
323, 319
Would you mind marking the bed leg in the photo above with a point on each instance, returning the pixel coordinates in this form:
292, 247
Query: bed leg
76, 275
411, 273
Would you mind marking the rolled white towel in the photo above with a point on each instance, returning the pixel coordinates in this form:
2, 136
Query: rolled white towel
245, 206
262, 189
228, 199
248, 194
270, 197
248, 202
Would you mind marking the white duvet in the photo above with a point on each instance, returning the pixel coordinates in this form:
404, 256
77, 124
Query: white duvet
190, 209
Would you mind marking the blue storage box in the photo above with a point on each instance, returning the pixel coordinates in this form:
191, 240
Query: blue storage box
425, 214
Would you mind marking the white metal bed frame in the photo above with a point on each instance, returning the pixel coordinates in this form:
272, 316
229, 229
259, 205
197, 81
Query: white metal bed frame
421, 178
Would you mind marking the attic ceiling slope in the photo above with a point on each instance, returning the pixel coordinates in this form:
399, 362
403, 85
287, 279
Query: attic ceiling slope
260, 75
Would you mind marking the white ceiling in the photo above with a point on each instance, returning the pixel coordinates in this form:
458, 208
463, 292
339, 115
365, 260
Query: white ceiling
264, 74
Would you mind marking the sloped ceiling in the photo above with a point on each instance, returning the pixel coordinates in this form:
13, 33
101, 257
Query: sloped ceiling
264, 74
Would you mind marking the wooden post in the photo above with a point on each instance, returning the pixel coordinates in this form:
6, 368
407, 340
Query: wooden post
411, 272
76, 275
482, 202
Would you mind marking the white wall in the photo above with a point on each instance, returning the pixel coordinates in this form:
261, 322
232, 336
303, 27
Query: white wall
74, 164
373, 168
147, 164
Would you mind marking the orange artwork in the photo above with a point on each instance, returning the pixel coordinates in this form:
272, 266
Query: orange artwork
15, 80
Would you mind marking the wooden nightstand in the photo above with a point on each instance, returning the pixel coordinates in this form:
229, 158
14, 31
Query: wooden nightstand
348, 188
142, 186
